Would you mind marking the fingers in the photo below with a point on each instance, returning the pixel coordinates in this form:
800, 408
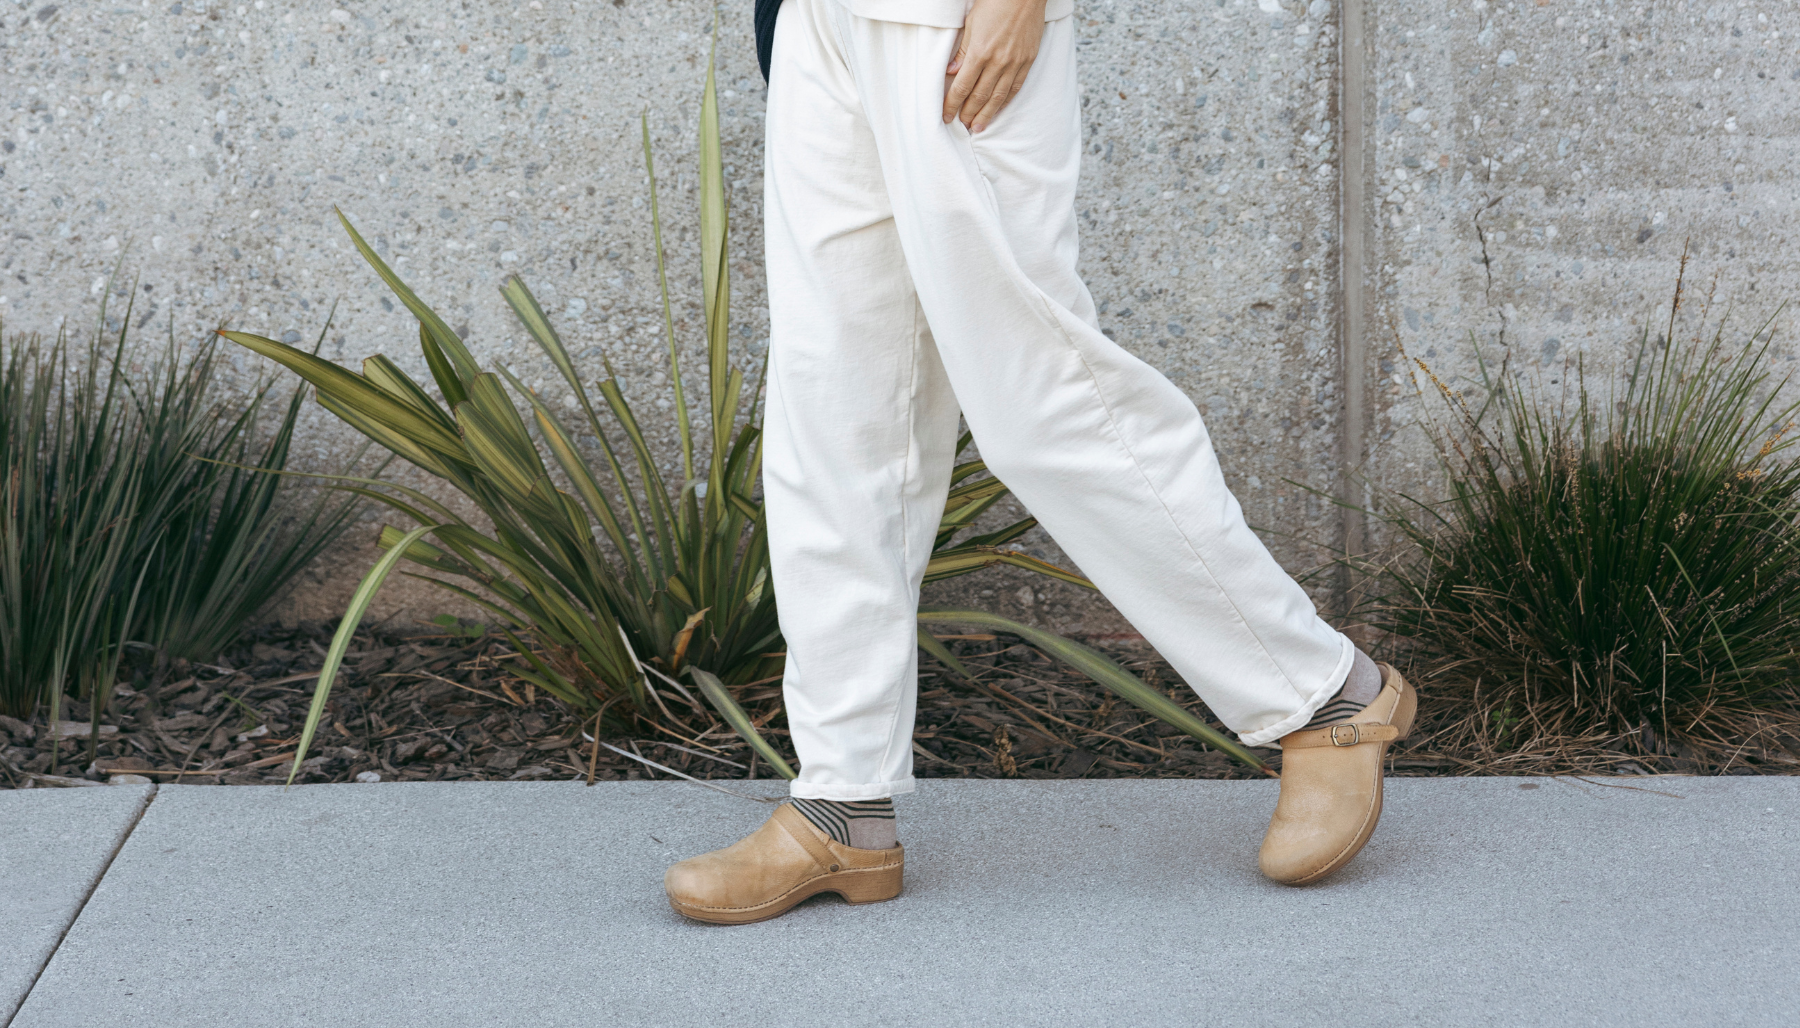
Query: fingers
957, 75
994, 52
1008, 86
956, 59
980, 81
958, 90
981, 89
982, 93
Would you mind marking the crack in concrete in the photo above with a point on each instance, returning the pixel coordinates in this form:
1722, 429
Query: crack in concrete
124, 837
1487, 261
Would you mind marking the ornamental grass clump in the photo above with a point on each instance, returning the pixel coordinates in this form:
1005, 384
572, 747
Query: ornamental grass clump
609, 576
1621, 564
71, 481
235, 529
141, 512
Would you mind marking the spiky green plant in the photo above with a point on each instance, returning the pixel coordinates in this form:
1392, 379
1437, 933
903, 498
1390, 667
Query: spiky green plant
615, 571
134, 512
234, 535
71, 477
1622, 560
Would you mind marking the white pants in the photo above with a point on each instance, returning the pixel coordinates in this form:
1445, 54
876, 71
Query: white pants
915, 267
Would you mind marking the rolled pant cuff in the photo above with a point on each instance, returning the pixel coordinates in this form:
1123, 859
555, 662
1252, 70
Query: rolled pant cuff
848, 793
1297, 720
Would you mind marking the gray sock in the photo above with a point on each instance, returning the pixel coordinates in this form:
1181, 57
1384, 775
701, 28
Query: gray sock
860, 824
1359, 690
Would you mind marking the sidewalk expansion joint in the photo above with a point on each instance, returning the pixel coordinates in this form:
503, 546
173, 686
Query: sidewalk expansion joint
124, 837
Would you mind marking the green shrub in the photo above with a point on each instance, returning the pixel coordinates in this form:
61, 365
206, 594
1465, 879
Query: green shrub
135, 513
1622, 560
234, 536
651, 572
71, 481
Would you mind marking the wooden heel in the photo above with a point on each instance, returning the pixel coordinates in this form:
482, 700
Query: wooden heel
868, 886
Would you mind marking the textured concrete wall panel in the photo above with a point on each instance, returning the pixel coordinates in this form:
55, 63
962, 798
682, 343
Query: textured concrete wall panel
467, 142
1539, 168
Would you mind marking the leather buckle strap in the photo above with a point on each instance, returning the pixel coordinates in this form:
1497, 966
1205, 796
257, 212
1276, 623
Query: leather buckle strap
804, 834
1351, 733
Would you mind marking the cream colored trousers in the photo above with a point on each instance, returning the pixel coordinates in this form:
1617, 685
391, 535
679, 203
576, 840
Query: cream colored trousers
916, 270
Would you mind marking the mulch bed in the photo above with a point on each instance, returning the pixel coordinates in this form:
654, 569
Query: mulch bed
441, 707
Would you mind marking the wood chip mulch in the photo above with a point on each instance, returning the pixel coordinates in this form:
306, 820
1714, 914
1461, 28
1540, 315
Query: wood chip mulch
437, 705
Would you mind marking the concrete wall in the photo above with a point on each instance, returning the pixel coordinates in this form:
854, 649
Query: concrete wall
1536, 172
206, 143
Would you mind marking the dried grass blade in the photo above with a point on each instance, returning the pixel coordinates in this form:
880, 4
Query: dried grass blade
678, 774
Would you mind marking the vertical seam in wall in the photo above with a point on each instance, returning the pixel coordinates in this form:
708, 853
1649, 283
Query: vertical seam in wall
1352, 241
149, 797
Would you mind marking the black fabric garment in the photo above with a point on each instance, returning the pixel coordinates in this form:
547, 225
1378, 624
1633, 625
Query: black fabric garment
765, 32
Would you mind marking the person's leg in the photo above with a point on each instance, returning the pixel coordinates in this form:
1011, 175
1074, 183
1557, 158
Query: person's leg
860, 429
859, 439
1109, 455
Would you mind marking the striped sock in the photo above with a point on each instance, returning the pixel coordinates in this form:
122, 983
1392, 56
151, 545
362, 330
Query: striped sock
863, 824
1360, 688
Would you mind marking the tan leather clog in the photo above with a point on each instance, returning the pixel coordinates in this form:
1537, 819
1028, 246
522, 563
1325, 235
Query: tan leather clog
772, 869
1331, 787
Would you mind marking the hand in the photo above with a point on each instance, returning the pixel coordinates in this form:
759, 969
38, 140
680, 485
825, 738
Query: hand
997, 45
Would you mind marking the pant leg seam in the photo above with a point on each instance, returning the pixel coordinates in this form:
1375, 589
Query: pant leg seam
912, 385
1149, 484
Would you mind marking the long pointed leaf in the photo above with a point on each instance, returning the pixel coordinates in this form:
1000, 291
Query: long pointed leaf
1105, 672
450, 342
714, 691
1004, 535
683, 424
353, 392
387, 376
442, 371
340, 641
965, 559
393, 441
932, 645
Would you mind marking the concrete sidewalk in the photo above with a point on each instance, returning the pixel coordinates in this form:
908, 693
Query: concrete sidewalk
1480, 902
54, 846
